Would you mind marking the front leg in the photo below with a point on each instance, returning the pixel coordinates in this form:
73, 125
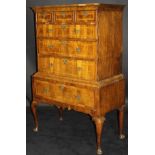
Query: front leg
121, 122
60, 113
99, 125
35, 115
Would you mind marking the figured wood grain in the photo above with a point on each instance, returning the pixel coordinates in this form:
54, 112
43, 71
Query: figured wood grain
44, 17
67, 67
78, 49
66, 31
109, 44
64, 93
112, 96
78, 82
64, 17
86, 16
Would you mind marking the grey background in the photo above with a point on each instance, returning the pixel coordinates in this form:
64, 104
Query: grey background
30, 37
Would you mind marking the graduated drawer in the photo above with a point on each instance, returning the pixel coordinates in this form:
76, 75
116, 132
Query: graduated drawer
73, 68
67, 31
86, 16
79, 49
64, 93
44, 17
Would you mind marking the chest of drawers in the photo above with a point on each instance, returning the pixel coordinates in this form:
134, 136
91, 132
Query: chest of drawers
79, 52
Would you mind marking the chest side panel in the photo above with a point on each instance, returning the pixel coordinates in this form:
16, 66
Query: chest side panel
112, 96
110, 43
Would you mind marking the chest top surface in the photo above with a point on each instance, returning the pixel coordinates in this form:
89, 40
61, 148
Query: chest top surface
88, 6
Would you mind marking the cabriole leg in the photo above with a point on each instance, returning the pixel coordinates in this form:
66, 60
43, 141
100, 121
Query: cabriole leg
35, 115
121, 122
60, 113
99, 125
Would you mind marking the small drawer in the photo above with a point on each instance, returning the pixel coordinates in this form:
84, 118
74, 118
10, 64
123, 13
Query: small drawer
76, 49
85, 16
44, 17
64, 17
79, 69
64, 93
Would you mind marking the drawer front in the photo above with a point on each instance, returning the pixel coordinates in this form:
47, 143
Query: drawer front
67, 31
79, 69
68, 48
64, 17
42, 89
86, 16
64, 93
44, 17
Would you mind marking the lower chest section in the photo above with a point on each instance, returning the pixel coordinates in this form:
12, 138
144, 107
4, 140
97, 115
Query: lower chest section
64, 93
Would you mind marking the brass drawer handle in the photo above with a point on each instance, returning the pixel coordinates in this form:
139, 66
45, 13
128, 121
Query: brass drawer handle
51, 65
45, 90
85, 13
50, 46
63, 26
78, 97
63, 42
63, 14
65, 61
77, 31
42, 14
61, 88
79, 68
78, 49
50, 30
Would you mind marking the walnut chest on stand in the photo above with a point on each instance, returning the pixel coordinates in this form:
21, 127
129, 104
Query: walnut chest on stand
79, 59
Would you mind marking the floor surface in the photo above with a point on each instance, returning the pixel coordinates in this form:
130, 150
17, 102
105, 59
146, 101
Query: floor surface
75, 135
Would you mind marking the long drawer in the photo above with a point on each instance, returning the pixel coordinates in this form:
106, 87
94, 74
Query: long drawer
64, 93
77, 49
79, 69
67, 31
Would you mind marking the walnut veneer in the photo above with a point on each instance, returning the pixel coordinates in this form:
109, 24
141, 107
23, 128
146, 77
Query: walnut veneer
79, 53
